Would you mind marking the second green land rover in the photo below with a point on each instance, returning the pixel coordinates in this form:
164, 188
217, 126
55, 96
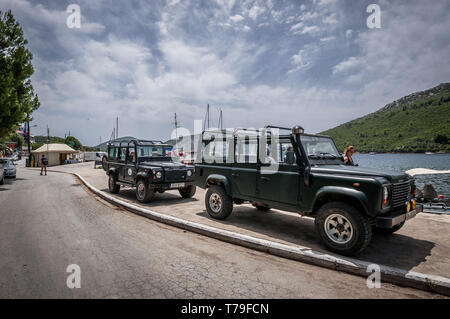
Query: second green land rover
303, 173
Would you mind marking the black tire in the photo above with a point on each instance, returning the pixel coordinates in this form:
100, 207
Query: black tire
218, 204
262, 208
388, 231
144, 194
351, 224
187, 192
104, 164
2, 181
112, 184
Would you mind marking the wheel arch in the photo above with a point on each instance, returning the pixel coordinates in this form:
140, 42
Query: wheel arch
339, 194
113, 171
216, 179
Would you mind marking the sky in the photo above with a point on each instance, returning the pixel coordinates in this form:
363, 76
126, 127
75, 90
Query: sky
313, 63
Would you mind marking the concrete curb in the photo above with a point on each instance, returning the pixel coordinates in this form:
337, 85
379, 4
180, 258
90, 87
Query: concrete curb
349, 265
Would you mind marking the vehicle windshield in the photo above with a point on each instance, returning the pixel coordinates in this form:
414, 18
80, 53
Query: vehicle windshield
319, 147
6, 162
153, 151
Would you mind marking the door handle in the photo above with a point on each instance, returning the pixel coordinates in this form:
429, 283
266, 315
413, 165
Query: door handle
234, 175
265, 179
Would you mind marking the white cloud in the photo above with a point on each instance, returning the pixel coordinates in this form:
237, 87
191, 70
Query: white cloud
237, 18
255, 11
349, 64
330, 19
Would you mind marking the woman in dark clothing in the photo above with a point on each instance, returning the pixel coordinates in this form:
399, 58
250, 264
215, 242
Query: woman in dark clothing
348, 153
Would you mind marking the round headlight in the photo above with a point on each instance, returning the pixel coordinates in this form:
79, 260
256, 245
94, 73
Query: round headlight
189, 173
158, 174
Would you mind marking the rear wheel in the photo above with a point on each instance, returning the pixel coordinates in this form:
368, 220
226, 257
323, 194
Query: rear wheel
112, 184
2, 181
187, 192
143, 193
104, 164
218, 204
342, 228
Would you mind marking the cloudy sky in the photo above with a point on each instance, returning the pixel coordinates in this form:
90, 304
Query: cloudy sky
313, 63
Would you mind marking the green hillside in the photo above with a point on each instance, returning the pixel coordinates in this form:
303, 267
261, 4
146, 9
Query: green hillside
419, 122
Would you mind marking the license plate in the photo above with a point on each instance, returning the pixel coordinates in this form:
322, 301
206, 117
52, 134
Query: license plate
411, 214
176, 185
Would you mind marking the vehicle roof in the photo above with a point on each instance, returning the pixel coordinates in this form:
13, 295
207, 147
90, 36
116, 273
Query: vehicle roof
137, 142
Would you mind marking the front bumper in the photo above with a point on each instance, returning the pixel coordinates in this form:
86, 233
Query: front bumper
395, 219
7, 174
166, 185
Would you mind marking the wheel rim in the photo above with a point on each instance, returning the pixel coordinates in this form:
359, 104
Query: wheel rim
338, 228
215, 202
111, 182
141, 190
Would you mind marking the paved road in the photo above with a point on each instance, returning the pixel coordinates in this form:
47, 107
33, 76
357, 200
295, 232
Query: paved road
49, 222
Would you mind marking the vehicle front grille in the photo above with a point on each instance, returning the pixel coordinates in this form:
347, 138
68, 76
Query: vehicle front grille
175, 175
401, 193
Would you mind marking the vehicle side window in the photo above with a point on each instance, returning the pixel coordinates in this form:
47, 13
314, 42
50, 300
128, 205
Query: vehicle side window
284, 153
287, 154
246, 151
123, 153
112, 153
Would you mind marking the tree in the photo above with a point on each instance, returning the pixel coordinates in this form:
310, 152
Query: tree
73, 142
17, 139
17, 98
441, 139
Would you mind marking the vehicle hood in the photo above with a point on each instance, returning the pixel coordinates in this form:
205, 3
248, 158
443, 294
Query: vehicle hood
358, 171
164, 164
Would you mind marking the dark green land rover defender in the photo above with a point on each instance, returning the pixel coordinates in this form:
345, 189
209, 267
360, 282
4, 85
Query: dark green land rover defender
306, 174
148, 166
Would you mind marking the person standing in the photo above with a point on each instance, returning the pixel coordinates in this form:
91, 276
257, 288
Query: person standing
348, 155
44, 163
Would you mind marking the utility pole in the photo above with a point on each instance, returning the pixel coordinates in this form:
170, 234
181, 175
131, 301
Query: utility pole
29, 145
220, 124
117, 127
176, 128
48, 137
206, 123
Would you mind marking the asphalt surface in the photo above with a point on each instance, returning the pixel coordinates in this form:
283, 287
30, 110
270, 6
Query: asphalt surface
50, 222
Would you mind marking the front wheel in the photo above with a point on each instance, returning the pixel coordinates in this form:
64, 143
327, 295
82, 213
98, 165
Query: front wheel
342, 228
187, 192
2, 181
112, 184
218, 204
143, 193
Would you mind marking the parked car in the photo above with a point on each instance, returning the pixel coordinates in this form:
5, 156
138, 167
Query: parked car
347, 202
2, 174
9, 167
147, 166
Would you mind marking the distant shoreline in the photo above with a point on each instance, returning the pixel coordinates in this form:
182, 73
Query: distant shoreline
433, 153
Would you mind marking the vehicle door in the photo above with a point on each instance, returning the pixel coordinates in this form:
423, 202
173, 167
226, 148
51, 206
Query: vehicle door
279, 182
121, 162
244, 171
130, 167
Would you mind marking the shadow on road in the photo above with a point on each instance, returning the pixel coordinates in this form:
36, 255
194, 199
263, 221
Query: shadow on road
392, 250
163, 199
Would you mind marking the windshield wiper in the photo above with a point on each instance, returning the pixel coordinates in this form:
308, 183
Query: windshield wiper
332, 156
323, 155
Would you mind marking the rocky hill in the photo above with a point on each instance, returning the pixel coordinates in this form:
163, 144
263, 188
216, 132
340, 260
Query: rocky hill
419, 122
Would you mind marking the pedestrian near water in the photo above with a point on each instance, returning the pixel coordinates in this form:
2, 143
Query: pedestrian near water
44, 163
348, 155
